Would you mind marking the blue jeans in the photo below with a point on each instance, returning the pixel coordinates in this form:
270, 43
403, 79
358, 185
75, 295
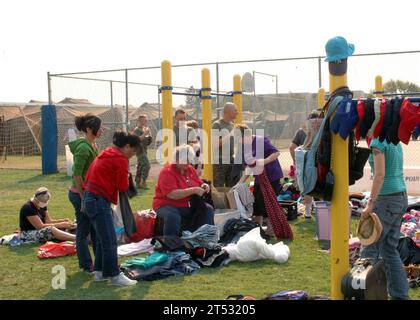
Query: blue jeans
84, 228
99, 212
174, 218
390, 210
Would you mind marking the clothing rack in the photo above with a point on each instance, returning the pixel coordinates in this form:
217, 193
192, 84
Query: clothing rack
413, 100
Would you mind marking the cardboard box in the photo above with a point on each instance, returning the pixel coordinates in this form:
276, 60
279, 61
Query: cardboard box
223, 198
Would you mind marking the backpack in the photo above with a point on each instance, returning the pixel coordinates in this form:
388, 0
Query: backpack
306, 170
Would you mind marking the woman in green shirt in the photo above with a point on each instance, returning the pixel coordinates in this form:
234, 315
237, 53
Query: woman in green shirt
84, 151
388, 199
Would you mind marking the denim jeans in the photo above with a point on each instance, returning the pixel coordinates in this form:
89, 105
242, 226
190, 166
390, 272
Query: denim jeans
84, 228
99, 212
390, 210
174, 218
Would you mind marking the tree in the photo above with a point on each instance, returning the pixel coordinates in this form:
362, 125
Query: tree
399, 86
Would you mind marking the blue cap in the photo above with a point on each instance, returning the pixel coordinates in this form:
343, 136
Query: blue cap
345, 118
337, 48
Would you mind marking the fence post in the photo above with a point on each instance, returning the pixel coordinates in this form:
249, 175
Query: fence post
319, 73
49, 88
159, 109
167, 121
340, 202
112, 105
217, 86
206, 125
49, 136
126, 101
237, 97
379, 89
321, 97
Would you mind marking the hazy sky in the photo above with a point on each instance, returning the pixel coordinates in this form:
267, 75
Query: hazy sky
67, 36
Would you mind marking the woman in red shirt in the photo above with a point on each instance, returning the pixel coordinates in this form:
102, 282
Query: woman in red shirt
177, 182
108, 175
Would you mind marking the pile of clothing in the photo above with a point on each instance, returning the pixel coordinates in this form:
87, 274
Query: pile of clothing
160, 265
358, 202
289, 190
354, 250
252, 247
411, 226
243, 240
174, 255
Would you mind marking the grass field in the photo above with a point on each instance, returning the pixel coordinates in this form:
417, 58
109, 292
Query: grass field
24, 276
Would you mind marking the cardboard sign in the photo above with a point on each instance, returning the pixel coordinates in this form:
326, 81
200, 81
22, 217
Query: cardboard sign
411, 177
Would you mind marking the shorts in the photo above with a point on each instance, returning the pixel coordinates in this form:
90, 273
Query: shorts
38, 236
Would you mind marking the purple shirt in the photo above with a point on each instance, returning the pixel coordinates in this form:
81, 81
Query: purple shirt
273, 169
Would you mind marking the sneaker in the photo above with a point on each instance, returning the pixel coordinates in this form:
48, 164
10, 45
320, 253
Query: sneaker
99, 276
122, 280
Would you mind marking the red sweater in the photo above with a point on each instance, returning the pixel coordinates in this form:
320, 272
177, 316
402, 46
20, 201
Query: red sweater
108, 174
170, 179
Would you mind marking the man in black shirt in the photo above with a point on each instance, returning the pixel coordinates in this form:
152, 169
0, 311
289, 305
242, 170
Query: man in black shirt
37, 226
300, 136
297, 141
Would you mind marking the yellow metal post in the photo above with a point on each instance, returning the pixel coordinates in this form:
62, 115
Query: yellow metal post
167, 122
321, 97
207, 115
237, 97
339, 204
378, 87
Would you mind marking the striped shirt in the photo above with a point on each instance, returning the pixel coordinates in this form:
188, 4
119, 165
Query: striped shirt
394, 173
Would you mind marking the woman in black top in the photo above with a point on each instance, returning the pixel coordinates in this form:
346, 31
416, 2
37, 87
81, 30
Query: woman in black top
37, 226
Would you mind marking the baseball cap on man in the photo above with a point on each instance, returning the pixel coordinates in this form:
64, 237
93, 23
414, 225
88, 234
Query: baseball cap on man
337, 48
410, 117
313, 114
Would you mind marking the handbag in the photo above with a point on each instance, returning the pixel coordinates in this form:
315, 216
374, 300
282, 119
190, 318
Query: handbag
358, 156
127, 214
132, 190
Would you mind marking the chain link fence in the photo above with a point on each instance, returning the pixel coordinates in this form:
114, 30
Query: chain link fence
282, 93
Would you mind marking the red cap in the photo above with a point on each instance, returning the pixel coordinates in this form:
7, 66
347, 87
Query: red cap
409, 118
361, 113
378, 127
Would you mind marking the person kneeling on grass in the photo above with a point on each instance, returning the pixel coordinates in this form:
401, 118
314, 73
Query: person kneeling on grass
106, 177
36, 225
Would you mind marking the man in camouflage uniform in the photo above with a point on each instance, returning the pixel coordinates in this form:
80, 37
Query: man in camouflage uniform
224, 163
143, 164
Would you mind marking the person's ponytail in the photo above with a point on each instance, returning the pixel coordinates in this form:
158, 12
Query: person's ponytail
88, 120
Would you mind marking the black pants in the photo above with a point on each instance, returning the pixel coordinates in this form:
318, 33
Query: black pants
259, 206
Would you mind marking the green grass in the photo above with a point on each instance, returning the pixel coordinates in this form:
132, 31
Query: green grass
24, 276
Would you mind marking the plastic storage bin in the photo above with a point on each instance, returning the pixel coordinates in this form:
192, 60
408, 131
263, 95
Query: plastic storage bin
323, 220
221, 216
